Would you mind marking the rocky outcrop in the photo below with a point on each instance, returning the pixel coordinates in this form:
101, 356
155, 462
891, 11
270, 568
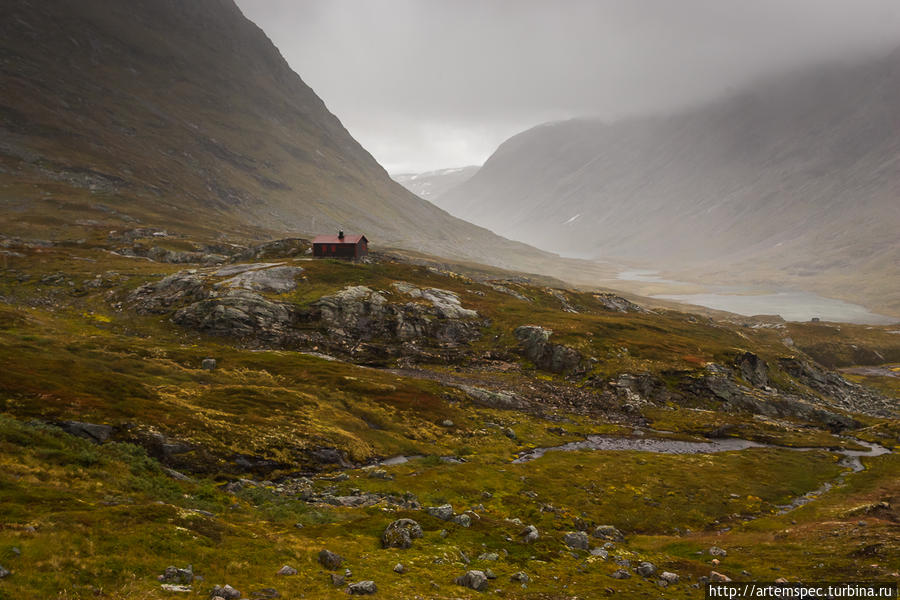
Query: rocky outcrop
717, 383
164, 295
277, 279
842, 393
618, 304
361, 313
89, 431
242, 314
633, 390
444, 302
753, 369
177, 257
556, 358
494, 399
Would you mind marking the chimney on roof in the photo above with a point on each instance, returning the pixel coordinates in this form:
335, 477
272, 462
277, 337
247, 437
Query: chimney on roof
341, 234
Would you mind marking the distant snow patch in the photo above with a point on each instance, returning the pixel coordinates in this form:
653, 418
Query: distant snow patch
572, 219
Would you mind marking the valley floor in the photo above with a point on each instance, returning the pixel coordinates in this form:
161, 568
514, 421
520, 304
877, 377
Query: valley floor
122, 455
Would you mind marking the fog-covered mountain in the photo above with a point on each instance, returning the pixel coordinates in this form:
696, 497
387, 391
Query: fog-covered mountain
184, 113
795, 181
431, 185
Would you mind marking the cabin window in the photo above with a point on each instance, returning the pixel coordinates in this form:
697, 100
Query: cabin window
333, 248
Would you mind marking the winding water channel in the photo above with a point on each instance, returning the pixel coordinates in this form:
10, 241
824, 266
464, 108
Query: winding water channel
851, 458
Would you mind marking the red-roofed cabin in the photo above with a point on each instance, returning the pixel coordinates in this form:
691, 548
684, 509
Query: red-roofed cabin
340, 246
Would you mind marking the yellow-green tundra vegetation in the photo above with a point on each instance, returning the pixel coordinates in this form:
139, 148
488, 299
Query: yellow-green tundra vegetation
270, 456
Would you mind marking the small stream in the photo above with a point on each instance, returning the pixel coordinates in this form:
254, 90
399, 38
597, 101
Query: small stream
851, 458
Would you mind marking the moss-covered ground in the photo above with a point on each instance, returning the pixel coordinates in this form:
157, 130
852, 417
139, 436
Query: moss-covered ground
82, 520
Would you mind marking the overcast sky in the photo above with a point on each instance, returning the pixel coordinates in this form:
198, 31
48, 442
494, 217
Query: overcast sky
428, 84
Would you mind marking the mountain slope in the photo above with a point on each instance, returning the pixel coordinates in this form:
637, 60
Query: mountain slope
185, 115
796, 182
431, 185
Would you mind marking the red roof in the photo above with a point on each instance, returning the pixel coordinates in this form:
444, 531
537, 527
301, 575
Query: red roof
333, 239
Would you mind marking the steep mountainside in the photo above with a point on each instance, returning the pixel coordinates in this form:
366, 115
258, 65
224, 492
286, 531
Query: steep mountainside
795, 182
431, 185
183, 114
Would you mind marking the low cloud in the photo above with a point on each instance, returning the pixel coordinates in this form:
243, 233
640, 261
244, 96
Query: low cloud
428, 84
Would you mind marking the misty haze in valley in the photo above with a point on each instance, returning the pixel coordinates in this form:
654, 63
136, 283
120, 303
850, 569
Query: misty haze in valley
743, 144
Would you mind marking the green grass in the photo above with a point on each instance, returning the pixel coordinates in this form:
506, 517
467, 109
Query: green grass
107, 519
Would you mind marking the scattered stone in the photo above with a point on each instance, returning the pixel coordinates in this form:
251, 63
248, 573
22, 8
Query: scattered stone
177, 576
620, 574
287, 570
509, 433
487, 495
608, 532
716, 551
208, 364
176, 474
600, 552
399, 568
446, 423
521, 577
227, 592
362, 587
529, 534
646, 569
265, 594
401, 533
380, 474
475, 580
717, 577
489, 556
330, 560
176, 588
577, 540
4, 573
489, 574
337, 580
669, 577
443, 512
463, 520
